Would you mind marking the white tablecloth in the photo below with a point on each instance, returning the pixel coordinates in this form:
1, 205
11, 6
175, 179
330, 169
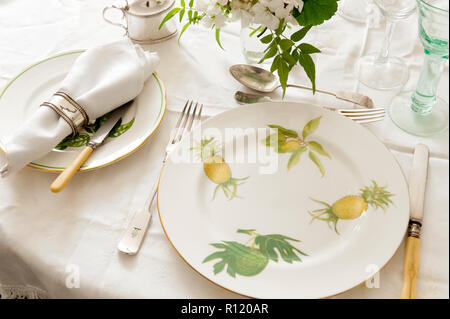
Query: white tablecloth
47, 239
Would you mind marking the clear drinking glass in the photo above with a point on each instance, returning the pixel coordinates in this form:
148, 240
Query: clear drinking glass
381, 71
354, 10
421, 112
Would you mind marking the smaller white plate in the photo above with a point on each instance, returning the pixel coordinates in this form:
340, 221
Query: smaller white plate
25, 93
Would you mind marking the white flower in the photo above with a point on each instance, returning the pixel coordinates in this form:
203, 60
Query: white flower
220, 21
222, 2
202, 5
282, 13
297, 4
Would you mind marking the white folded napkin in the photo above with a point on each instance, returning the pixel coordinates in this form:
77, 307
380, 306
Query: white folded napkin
102, 79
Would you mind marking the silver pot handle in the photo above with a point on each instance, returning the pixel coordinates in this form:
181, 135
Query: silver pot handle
125, 27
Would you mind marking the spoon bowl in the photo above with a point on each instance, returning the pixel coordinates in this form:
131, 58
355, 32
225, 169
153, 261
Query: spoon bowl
255, 78
263, 81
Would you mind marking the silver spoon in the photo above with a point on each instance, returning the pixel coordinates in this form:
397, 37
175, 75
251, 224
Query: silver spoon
261, 80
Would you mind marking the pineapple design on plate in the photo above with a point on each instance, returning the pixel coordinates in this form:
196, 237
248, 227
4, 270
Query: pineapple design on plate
250, 260
352, 206
289, 141
216, 169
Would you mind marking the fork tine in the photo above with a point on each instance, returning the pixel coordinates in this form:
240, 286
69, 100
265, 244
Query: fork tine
185, 120
359, 111
375, 119
199, 116
174, 131
367, 118
191, 118
364, 117
357, 115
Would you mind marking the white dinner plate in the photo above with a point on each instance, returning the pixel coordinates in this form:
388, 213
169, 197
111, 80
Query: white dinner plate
25, 93
312, 213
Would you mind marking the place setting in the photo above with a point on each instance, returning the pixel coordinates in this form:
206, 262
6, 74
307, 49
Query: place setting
274, 198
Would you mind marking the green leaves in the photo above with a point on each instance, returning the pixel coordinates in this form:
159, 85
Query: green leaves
238, 258
73, 141
269, 54
300, 34
295, 157
288, 141
311, 126
317, 161
283, 74
169, 16
193, 16
251, 260
285, 44
376, 196
306, 48
274, 244
120, 128
218, 39
316, 147
288, 53
267, 39
284, 131
316, 12
310, 69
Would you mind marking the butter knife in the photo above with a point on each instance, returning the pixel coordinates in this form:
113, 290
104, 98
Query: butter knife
96, 140
417, 184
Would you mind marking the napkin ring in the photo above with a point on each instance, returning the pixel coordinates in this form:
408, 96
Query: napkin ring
68, 109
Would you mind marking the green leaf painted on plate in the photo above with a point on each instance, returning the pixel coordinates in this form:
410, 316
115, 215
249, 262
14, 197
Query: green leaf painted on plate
275, 140
273, 245
295, 157
315, 159
316, 147
251, 260
73, 141
285, 131
238, 258
311, 126
246, 231
120, 128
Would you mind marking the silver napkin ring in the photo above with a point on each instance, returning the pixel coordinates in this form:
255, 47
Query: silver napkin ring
68, 109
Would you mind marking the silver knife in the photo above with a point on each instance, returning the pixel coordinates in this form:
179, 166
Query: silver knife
417, 184
96, 140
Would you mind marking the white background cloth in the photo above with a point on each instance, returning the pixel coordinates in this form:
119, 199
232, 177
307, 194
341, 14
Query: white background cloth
44, 238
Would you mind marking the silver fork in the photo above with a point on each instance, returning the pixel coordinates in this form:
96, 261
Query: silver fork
134, 235
363, 115
358, 115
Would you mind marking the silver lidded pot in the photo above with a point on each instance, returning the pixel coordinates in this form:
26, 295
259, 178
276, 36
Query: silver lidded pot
141, 20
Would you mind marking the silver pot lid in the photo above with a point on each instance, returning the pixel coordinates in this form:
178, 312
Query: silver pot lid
147, 8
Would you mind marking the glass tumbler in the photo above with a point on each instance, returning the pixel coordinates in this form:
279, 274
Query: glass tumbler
421, 112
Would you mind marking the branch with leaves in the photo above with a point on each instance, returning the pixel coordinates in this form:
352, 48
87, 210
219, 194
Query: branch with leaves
274, 18
289, 141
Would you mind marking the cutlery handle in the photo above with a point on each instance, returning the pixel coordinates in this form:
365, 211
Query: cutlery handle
134, 234
309, 88
411, 268
61, 181
352, 97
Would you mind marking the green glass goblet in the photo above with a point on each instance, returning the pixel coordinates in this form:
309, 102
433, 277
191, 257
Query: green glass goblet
421, 112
